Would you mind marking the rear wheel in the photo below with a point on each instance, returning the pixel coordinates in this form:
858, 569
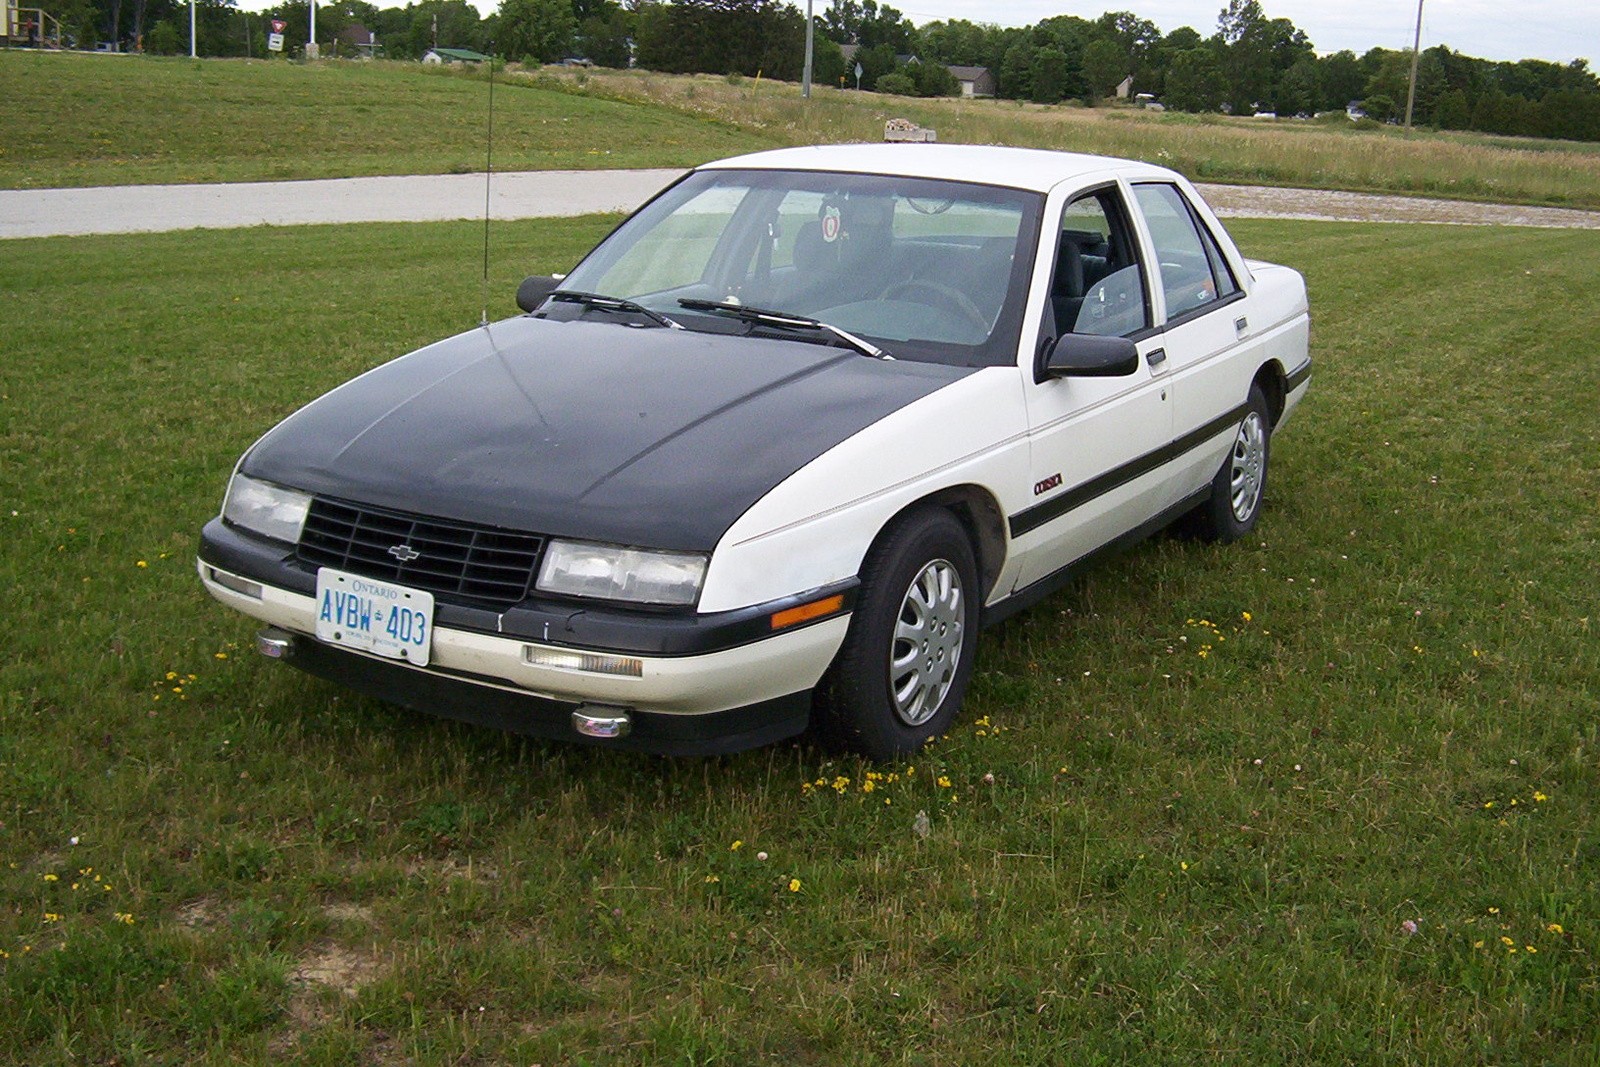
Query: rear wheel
1240, 487
903, 670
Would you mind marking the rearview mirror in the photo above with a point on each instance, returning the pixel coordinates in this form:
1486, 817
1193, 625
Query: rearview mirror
1085, 355
532, 291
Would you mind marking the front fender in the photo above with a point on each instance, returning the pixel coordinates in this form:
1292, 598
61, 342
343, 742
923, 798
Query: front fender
813, 529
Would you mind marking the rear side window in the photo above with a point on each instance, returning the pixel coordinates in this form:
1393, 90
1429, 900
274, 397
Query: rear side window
1192, 268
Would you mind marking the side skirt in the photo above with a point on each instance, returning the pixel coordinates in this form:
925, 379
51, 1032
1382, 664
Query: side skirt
1030, 595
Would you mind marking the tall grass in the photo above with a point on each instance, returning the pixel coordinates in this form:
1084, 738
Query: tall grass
1316, 155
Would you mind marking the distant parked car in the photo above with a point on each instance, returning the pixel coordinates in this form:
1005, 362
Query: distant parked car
775, 451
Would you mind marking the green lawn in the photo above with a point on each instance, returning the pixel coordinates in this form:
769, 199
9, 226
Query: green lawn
75, 120
1224, 780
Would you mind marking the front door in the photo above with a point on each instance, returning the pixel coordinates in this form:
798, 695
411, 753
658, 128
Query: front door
1096, 444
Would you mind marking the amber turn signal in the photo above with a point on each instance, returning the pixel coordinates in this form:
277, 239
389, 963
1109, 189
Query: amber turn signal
806, 612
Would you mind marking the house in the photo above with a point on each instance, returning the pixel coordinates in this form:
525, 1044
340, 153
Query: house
356, 40
453, 55
974, 81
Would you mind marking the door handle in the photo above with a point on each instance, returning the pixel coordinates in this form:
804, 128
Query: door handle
1156, 357
1241, 324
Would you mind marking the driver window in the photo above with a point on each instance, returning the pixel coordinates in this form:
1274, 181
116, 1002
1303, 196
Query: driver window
1097, 287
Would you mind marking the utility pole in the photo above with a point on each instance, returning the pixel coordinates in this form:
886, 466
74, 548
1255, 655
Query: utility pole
311, 44
192, 53
1416, 44
805, 82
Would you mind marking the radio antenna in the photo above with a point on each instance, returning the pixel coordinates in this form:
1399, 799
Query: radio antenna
488, 176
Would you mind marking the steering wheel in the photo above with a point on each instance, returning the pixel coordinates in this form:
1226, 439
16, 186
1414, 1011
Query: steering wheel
945, 293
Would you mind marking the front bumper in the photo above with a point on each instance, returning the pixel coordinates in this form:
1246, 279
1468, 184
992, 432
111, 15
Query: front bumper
735, 689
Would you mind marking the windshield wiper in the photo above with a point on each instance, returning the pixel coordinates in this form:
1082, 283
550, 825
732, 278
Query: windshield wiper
784, 320
613, 303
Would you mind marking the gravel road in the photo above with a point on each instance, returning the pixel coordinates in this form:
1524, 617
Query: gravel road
550, 194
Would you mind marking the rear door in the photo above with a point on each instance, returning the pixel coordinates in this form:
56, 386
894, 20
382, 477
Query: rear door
1206, 333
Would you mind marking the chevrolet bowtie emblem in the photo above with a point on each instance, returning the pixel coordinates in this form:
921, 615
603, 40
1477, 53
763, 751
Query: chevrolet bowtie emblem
404, 553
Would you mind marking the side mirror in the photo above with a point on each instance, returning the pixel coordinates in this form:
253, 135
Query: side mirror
1085, 355
532, 291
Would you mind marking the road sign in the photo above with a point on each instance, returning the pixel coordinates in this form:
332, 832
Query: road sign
278, 25
274, 42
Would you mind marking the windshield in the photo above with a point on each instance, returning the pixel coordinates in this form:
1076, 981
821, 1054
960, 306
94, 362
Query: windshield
927, 270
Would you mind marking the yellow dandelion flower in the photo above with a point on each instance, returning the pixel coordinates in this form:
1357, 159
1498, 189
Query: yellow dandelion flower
1506, 940
1488, 803
1246, 616
868, 786
944, 782
1183, 865
1477, 944
712, 879
219, 655
1555, 928
141, 563
52, 878
1529, 948
124, 917
736, 846
52, 917
1539, 798
794, 885
1494, 911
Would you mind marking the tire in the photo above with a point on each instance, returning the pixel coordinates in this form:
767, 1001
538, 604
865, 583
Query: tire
1240, 487
902, 672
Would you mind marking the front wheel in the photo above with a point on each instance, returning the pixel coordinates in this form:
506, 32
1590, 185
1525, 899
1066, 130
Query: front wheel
1240, 487
903, 670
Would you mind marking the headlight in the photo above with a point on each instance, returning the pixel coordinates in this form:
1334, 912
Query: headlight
266, 509
611, 572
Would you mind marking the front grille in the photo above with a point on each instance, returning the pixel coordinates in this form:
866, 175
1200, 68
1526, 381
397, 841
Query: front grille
452, 559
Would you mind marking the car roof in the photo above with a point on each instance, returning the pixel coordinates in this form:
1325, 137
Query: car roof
1019, 168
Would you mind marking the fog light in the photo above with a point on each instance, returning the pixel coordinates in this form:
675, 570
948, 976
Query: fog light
563, 659
602, 720
238, 585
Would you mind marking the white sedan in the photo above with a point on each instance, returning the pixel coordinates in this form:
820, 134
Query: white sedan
775, 451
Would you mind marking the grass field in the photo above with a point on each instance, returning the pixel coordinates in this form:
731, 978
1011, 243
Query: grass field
77, 120
1324, 797
74, 120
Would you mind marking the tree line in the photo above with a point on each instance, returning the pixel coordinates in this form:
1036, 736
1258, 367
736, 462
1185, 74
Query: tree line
1249, 64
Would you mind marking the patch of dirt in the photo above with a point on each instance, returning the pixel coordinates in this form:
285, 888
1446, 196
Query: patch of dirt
202, 914
451, 867
345, 912
335, 966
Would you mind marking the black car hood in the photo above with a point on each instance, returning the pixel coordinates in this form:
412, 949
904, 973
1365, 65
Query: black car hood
651, 437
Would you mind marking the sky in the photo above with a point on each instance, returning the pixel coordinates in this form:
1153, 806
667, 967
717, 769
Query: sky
1557, 30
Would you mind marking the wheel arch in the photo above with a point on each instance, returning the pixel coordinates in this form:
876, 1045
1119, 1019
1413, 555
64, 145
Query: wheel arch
980, 515
1274, 383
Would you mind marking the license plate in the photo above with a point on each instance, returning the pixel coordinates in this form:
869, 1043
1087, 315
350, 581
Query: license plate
378, 617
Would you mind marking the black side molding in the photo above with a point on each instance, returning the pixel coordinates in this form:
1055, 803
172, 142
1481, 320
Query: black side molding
1032, 518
